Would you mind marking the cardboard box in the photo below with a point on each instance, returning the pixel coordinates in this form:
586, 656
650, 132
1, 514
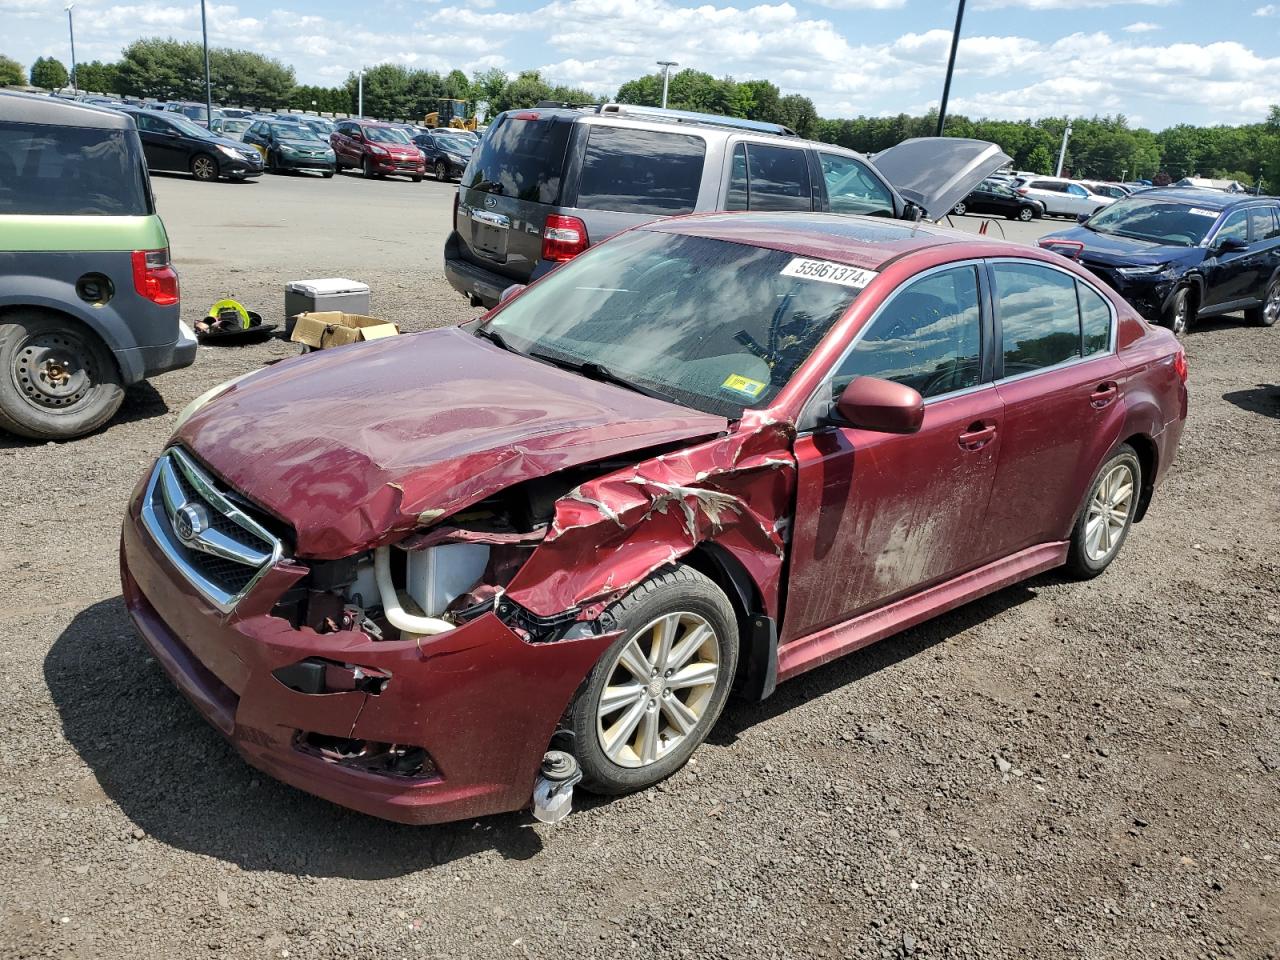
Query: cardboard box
333, 328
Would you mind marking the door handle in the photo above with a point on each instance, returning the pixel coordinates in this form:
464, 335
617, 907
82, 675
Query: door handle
978, 435
1103, 394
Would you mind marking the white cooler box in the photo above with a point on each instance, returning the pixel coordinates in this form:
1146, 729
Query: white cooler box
315, 296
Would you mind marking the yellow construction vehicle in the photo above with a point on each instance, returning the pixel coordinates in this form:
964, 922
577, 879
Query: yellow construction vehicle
451, 113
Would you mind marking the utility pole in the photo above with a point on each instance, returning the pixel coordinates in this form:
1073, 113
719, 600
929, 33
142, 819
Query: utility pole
951, 66
208, 83
71, 29
1062, 154
360, 95
666, 66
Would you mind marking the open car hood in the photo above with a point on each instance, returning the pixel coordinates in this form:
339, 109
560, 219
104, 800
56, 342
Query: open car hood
936, 173
357, 445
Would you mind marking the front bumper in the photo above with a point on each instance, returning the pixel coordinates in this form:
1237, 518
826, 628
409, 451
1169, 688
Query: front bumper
394, 167
481, 701
239, 168
319, 164
1151, 297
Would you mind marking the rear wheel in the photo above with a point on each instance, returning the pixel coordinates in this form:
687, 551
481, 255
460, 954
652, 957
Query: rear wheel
204, 167
959, 209
57, 379
1107, 514
1179, 314
1266, 313
659, 689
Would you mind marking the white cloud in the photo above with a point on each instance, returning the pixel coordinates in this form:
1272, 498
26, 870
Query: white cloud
863, 4
1142, 26
1068, 4
1270, 10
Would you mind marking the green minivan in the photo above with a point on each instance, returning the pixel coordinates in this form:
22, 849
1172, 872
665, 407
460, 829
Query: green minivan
88, 298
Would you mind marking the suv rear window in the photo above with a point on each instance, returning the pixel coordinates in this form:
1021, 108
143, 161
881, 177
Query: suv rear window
68, 171
640, 171
521, 158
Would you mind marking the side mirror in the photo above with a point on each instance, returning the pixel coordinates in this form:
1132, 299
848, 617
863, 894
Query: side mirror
510, 292
1230, 244
1082, 217
881, 405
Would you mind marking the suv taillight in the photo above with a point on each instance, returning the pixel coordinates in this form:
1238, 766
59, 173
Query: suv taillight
1180, 364
154, 278
563, 238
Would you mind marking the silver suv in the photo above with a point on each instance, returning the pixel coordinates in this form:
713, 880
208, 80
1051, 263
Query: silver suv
546, 183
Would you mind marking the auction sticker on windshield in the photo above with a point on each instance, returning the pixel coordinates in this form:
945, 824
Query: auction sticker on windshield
828, 272
1202, 212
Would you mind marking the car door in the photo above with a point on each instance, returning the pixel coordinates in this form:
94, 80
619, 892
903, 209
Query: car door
161, 143
1230, 275
879, 516
426, 143
253, 137
1078, 201
341, 143
852, 188
1059, 379
1264, 234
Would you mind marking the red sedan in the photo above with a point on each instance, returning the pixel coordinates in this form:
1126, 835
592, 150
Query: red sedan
701, 458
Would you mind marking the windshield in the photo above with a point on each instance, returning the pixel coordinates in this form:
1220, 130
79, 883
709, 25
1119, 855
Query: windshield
185, 126
713, 325
194, 112
457, 144
1156, 221
385, 135
234, 126
293, 131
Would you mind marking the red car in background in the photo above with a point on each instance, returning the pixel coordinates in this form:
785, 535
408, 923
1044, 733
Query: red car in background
376, 149
705, 456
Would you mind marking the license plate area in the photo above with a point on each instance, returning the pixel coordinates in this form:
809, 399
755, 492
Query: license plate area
489, 233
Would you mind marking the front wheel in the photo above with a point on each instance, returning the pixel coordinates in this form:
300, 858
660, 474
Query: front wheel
1266, 313
442, 172
369, 172
328, 174
1107, 514
1178, 316
57, 379
659, 689
204, 167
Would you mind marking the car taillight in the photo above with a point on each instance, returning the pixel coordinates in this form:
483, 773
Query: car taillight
526, 115
1180, 364
563, 238
154, 278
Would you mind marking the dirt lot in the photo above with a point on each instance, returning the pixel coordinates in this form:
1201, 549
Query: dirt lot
1061, 770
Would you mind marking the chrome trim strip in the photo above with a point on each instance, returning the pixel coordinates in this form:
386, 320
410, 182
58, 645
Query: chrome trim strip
492, 219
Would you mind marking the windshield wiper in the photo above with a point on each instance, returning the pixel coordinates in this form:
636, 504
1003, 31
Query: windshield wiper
497, 339
598, 371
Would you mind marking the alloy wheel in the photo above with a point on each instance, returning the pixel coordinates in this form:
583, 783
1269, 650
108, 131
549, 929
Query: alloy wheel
959, 209
1109, 510
1026, 214
1271, 308
204, 168
442, 174
659, 687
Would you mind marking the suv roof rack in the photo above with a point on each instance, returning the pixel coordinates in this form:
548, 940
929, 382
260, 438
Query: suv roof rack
688, 116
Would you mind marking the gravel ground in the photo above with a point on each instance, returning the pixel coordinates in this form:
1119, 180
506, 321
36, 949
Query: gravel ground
1060, 770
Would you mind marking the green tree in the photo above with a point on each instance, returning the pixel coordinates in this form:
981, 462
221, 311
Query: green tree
524, 91
487, 87
11, 72
48, 72
1039, 160
98, 77
165, 69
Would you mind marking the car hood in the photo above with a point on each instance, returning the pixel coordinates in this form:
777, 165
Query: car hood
356, 445
935, 173
1120, 251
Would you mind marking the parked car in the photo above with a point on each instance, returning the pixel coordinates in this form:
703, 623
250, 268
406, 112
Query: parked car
545, 184
994, 196
377, 149
291, 146
236, 113
445, 153
1061, 198
172, 142
1180, 253
88, 298
195, 112
232, 127
710, 454
1116, 191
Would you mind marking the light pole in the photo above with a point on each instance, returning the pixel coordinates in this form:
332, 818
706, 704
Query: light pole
1062, 154
208, 83
360, 95
666, 66
71, 29
951, 66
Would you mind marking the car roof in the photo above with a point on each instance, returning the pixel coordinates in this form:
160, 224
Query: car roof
867, 242
1200, 196
56, 112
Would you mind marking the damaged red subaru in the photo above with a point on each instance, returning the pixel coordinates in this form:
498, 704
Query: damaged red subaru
703, 457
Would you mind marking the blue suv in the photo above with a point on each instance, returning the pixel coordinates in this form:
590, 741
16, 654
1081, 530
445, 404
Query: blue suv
1184, 252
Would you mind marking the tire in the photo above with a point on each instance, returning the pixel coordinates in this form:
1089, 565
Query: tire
441, 171
369, 172
959, 209
1106, 514
618, 759
204, 167
1266, 313
328, 174
1026, 214
57, 379
416, 178
1180, 314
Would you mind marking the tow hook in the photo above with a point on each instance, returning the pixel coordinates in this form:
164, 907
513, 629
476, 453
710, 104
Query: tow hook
553, 793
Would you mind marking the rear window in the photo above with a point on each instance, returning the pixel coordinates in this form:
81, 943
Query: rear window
67, 171
521, 158
640, 171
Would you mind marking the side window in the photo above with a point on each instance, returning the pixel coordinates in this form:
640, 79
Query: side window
1236, 227
1039, 316
1095, 320
149, 123
929, 336
737, 198
1262, 224
640, 171
1077, 191
851, 188
777, 178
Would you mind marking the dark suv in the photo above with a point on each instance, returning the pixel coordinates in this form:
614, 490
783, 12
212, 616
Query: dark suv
1184, 252
545, 184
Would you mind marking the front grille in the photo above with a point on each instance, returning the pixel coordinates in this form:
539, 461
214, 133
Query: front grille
211, 541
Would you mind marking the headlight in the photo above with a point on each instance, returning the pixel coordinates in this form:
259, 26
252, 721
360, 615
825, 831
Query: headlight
1149, 270
231, 152
212, 393
329, 155
288, 151
457, 157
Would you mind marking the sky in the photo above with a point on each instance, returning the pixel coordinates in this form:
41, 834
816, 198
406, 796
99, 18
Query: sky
1159, 62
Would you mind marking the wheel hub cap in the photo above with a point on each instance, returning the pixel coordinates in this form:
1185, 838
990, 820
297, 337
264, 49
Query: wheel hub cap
49, 372
658, 688
1108, 514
